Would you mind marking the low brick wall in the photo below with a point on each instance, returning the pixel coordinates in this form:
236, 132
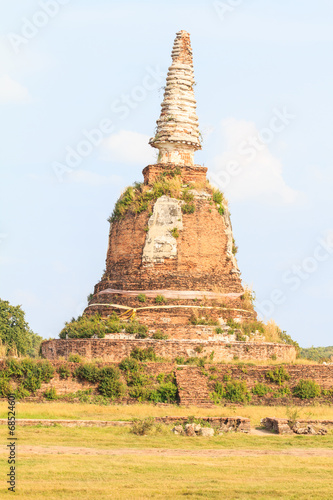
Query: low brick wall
116, 350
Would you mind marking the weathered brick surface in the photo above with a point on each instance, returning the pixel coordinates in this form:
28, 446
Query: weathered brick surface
116, 350
195, 174
192, 386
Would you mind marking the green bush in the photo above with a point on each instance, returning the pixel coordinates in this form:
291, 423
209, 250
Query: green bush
142, 297
89, 326
89, 372
160, 299
188, 208
142, 427
129, 364
147, 354
236, 392
167, 392
74, 358
51, 394
111, 388
5, 387
260, 390
217, 197
21, 393
307, 389
278, 375
64, 371
282, 392
159, 335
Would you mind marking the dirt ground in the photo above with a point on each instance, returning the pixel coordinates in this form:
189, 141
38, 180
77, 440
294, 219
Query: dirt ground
59, 450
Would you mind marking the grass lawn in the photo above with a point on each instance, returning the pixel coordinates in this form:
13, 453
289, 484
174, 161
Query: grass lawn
96, 463
61, 410
89, 463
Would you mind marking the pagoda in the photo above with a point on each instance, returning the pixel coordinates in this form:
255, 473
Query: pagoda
172, 283
171, 237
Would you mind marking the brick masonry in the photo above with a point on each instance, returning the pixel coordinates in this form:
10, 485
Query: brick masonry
113, 350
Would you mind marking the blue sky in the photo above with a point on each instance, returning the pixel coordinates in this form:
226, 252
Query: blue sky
72, 70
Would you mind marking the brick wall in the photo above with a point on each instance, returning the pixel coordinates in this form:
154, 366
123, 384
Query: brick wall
116, 350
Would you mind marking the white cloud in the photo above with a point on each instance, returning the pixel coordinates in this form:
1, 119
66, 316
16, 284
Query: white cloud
12, 91
246, 172
128, 147
93, 179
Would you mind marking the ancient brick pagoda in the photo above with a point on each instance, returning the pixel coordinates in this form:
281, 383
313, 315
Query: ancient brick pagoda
170, 262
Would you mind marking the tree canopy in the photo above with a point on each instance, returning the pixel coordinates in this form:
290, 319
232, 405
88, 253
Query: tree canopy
15, 332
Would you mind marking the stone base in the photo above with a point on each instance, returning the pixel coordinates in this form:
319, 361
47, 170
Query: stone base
116, 350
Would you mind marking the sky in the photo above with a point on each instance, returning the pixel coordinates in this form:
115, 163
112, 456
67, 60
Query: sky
81, 83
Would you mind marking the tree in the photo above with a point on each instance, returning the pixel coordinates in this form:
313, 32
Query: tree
15, 332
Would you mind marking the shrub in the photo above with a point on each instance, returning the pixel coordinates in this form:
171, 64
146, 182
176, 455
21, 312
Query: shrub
234, 247
32, 373
236, 392
88, 371
142, 427
165, 393
64, 371
217, 197
188, 208
21, 393
195, 319
260, 390
307, 389
129, 365
175, 232
142, 297
74, 358
159, 335
180, 360
278, 375
136, 328
111, 388
218, 330
281, 392
219, 389
160, 299
51, 394
5, 387
147, 354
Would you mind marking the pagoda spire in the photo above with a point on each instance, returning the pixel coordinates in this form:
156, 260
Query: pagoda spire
177, 134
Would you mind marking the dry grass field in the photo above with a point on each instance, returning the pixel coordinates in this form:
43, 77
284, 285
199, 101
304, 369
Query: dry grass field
89, 463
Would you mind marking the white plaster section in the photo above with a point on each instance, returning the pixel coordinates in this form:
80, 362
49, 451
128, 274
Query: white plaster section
160, 243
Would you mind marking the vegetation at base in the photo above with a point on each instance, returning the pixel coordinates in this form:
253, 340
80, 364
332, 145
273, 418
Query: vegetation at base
107, 377
318, 354
260, 390
147, 354
278, 376
146, 388
307, 389
234, 391
16, 336
142, 427
28, 374
85, 327
142, 297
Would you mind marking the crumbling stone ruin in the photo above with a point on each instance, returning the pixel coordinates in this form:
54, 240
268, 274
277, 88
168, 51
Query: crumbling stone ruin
171, 261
